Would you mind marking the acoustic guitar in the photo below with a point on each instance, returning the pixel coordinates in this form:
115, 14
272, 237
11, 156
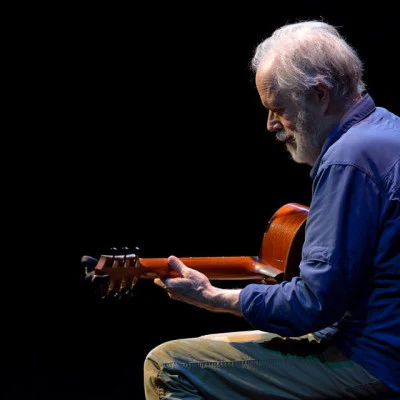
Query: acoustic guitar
278, 260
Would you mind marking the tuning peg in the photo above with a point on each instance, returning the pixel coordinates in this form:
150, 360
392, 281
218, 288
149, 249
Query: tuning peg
129, 291
113, 251
125, 251
136, 254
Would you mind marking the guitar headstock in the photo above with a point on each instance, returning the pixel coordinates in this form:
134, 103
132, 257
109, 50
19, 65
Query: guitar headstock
122, 270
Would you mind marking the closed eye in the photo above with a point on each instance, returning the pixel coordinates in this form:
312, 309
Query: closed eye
278, 111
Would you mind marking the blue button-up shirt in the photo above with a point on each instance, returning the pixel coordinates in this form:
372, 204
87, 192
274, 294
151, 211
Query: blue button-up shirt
349, 280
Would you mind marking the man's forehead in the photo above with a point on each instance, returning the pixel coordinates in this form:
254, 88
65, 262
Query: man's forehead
264, 74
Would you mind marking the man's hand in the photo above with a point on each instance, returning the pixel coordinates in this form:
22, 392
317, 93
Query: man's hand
195, 288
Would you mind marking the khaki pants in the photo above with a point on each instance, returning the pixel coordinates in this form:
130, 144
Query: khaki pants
255, 365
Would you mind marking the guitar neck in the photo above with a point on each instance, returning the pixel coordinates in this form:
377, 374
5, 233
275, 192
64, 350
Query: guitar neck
215, 268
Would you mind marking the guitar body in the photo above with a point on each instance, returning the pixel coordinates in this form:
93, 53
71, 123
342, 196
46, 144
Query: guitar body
279, 257
283, 239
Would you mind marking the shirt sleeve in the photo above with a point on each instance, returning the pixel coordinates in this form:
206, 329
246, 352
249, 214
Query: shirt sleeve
338, 252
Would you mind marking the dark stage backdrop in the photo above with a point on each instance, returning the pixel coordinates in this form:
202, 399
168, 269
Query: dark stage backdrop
142, 127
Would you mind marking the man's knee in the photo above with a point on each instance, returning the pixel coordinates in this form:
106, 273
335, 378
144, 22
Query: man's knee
163, 353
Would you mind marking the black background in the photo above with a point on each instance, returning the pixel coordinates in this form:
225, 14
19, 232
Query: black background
139, 125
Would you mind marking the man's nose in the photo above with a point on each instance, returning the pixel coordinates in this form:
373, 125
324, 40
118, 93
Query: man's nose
273, 124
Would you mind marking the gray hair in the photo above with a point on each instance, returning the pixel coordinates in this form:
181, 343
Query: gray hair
311, 52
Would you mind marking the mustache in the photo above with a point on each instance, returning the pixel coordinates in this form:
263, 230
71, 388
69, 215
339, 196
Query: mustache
283, 135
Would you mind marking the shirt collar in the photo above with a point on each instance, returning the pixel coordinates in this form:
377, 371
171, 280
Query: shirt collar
356, 113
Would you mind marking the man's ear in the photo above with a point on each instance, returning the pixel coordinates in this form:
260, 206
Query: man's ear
321, 96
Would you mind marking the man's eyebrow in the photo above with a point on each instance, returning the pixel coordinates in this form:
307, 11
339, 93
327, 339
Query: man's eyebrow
273, 106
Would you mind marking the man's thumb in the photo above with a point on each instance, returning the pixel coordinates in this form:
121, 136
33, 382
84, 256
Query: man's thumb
176, 264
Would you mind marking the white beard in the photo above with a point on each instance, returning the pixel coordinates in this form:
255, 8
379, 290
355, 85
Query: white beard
306, 141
